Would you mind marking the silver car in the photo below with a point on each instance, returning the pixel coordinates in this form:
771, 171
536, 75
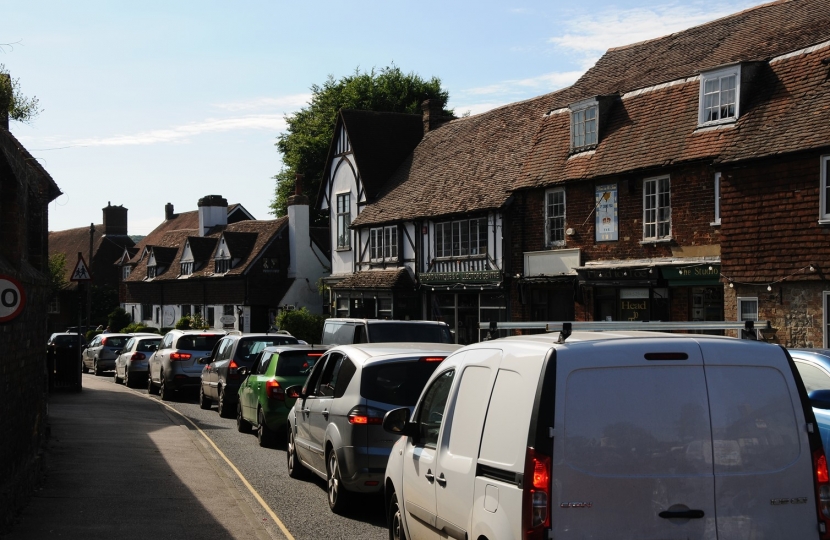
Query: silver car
100, 354
176, 364
334, 428
132, 364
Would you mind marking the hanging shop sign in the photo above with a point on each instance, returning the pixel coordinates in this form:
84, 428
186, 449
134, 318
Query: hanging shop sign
607, 224
12, 298
485, 276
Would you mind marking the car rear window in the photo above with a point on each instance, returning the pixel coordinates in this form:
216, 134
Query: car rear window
408, 332
66, 340
198, 342
396, 383
248, 349
114, 341
148, 345
296, 363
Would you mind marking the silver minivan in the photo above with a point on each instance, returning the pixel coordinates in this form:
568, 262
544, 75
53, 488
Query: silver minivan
334, 428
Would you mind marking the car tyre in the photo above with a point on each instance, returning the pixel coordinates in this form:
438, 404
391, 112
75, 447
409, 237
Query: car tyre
295, 468
266, 436
204, 402
334, 485
98, 371
116, 379
222, 407
127, 382
394, 519
165, 391
84, 369
151, 388
242, 425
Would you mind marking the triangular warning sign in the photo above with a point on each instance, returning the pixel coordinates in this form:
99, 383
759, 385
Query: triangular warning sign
81, 272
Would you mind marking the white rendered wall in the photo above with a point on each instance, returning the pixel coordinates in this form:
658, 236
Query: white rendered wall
343, 181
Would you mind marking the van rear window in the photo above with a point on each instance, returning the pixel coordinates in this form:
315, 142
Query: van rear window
408, 332
396, 383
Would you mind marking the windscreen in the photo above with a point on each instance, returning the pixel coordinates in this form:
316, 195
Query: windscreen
296, 363
198, 342
408, 332
396, 383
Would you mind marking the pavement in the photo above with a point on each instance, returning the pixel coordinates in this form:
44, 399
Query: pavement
119, 465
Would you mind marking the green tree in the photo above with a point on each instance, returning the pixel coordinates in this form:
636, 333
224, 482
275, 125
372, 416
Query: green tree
57, 273
18, 106
304, 144
118, 319
302, 324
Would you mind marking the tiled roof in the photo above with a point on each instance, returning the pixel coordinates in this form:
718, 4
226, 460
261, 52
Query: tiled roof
396, 278
465, 165
246, 239
380, 142
756, 34
72, 241
23, 164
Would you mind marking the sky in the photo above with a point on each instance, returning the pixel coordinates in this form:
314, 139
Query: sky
155, 102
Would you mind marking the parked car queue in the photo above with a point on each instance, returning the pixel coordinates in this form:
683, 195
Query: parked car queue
508, 439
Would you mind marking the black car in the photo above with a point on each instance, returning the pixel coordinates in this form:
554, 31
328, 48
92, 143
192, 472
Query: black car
221, 378
63, 344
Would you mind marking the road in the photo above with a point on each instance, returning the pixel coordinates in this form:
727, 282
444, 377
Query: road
300, 505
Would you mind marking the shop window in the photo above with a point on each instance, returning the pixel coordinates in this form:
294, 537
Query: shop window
384, 306
342, 307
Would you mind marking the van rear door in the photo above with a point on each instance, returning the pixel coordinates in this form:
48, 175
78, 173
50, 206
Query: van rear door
632, 442
762, 461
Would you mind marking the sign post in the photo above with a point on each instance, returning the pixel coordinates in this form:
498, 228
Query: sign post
80, 275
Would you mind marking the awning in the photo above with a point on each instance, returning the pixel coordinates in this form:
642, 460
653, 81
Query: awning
678, 271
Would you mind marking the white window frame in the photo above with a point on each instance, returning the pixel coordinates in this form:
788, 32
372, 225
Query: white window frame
187, 268
717, 199
343, 219
584, 130
383, 244
555, 236
450, 240
125, 272
719, 76
824, 193
222, 266
152, 271
747, 299
652, 203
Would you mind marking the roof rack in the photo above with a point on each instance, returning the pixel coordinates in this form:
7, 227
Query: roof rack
747, 328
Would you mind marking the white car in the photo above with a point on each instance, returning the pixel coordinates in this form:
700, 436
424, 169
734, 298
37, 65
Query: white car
133, 360
609, 435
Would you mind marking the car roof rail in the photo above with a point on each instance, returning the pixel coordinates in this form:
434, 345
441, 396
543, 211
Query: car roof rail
747, 329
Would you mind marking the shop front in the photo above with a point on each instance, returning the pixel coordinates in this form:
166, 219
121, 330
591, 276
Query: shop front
464, 300
376, 294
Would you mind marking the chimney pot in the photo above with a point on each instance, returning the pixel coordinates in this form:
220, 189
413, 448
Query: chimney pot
298, 197
432, 114
168, 212
115, 220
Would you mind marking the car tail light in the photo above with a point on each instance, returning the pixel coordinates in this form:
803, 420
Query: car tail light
431, 359
137, 356
233, 370
536, 497
363, 415
274, 391
822, 492
180, 356
104, 342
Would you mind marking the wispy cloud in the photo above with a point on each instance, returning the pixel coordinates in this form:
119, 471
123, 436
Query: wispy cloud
290, 103
542, 83
270, 122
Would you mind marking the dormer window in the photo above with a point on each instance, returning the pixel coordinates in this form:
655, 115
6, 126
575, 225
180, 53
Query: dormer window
152, 271
125, 272
719, 93
187, 268
584, 125
222, 266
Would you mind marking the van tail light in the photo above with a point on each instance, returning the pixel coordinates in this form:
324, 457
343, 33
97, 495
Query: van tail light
431, 359
363, 415
137, 356
274, 391
179, 356
822, 493
536, 497
233, 370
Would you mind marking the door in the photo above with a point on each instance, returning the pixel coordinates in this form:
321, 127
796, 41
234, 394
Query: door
210, 375
253, 387
458, 447
419, 461
158, 357
762, 462
632, 442
318, 419
302, 410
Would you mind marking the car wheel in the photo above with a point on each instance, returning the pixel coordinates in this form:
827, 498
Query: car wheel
116, 379
242, 425
204, 402
295, 468
98, 371
334, 485
264, 434
222, 407
127, 382
393, 519
165, 391
151, 388
84, 369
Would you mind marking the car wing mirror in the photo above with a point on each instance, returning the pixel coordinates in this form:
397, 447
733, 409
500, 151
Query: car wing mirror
294, 392
397, 422
243, 371
118, 351
820, 399
205, 360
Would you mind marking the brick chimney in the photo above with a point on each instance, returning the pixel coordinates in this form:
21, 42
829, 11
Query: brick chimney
213, 211
168, 212
115, 220
433, 114
300, 263
5, 80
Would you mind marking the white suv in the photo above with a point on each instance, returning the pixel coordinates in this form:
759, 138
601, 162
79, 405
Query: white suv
607, 435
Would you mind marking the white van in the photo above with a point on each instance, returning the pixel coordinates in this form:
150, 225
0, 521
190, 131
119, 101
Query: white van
622, 434
344, 331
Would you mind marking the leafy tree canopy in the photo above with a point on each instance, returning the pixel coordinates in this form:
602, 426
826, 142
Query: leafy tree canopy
305, 143
18, 106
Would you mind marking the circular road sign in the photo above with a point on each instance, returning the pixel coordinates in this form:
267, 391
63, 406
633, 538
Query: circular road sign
12, 298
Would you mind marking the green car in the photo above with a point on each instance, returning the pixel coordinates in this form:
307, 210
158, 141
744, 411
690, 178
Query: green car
262, 403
